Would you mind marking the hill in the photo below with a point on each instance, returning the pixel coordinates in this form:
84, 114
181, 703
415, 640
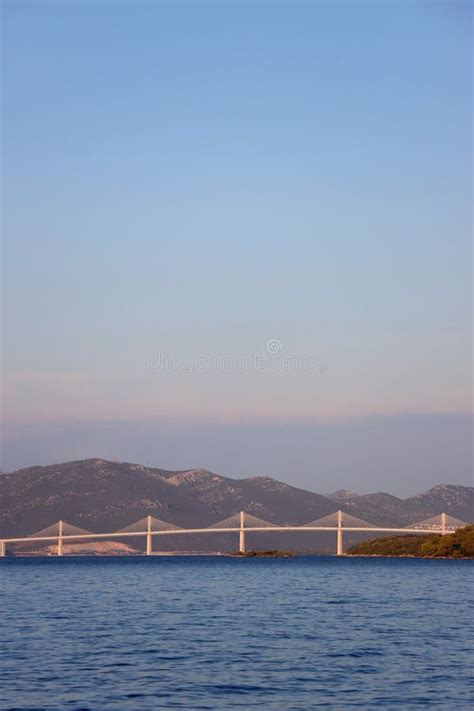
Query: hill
102, 495
388, 510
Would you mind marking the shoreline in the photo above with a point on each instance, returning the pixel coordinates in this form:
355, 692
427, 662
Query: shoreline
222, 555
408, 555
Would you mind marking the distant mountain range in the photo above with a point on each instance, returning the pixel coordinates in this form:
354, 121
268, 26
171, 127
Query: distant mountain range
101, 495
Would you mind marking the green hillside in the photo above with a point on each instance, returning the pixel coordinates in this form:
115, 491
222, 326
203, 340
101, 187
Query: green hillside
454, 545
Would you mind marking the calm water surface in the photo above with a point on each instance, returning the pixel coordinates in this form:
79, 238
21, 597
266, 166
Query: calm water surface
222, 633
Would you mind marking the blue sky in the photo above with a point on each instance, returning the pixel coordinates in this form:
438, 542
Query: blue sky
195, 179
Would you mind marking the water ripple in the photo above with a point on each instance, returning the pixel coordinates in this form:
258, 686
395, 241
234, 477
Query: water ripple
219, 633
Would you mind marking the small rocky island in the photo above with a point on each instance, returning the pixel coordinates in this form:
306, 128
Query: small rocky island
453, 545
264, 554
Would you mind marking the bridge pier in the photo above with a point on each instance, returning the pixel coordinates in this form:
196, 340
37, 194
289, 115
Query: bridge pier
242, 534
340, 548
149, 544
3, 547
60, 538
443, 524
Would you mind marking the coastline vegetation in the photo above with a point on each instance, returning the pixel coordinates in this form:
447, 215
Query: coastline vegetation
452, 545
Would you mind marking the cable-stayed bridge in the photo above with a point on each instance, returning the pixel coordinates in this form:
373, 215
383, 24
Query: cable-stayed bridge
240, 523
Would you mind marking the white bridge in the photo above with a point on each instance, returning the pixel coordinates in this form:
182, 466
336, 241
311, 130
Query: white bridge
241, 523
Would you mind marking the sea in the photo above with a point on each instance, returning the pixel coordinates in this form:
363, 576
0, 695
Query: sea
219, 632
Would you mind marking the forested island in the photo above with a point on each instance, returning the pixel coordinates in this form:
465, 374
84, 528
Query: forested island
453, 545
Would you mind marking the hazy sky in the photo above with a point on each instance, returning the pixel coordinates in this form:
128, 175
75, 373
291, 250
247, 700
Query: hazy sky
240, 230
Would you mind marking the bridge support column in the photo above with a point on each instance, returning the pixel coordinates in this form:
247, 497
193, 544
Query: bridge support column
340, 549
443, 524
60, 538
3, 551
149, 548
242, 534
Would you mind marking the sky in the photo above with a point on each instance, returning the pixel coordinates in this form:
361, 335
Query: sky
237, 235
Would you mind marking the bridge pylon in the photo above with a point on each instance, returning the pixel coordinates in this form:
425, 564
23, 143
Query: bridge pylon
60, 537
340, 547
242, 533
149, 548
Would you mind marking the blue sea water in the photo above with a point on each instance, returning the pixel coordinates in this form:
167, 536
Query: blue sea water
225, 633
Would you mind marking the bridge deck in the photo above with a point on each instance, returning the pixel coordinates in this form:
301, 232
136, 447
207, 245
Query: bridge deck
181, 531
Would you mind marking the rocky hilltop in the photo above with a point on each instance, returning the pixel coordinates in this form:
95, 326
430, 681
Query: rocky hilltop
386, 509
102, 495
